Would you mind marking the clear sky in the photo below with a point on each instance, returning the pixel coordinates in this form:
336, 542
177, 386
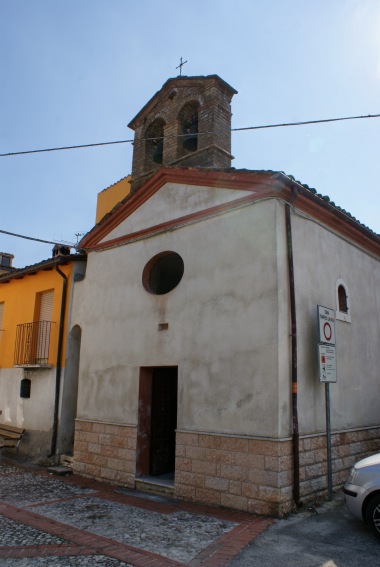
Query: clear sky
77, 71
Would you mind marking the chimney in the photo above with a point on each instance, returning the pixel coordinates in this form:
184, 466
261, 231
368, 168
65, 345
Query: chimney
60, 250
6, 262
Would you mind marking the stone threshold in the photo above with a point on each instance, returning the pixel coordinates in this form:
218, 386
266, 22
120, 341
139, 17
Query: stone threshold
162, 485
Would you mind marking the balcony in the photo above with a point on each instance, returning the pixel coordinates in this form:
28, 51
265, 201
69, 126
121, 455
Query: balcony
32, 345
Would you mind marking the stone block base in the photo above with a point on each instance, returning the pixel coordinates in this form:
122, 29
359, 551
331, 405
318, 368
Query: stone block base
105, 451
347, 447
250, 474
254, 475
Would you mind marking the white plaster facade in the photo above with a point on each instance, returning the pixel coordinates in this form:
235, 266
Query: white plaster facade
223, 324
34, 414
322, 259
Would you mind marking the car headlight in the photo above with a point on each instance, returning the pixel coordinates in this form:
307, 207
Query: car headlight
352, 476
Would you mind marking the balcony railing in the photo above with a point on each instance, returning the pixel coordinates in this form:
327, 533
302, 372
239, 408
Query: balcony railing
32, 344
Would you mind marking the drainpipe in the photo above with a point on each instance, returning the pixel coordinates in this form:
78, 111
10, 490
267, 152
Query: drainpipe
293, 315
58, 365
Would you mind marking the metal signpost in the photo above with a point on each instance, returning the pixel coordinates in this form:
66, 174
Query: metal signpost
327, 372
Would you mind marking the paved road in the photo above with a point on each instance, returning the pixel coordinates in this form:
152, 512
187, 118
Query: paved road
63, 522
328, 538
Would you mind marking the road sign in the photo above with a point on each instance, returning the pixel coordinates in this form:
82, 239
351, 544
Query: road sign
326, 323
327, 363
327, 373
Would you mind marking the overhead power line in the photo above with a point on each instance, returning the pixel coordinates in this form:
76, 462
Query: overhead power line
35, 239
130, 141
321, 121
66, 148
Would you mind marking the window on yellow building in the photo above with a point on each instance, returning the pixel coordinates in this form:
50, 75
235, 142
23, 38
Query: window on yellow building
33, 339
44, 324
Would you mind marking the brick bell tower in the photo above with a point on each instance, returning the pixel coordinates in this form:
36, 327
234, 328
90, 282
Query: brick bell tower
186, 124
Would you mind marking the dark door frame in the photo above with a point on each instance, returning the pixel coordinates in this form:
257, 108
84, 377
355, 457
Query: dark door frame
144, 423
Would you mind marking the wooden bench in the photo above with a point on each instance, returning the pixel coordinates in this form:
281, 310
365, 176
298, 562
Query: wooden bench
10, 437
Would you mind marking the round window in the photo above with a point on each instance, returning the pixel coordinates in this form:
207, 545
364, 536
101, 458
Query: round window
163, 273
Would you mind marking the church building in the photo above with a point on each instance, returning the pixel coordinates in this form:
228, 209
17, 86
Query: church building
200, 374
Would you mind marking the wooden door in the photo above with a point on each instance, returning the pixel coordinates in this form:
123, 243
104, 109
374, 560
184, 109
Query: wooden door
163, 420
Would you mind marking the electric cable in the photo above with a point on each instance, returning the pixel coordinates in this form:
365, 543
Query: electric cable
36, 239
246, 128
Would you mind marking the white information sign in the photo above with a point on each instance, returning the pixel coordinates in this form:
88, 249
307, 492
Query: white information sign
326, 323
327, 363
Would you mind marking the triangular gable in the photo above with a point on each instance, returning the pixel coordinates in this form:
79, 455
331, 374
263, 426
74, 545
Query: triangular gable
171, 202
174, 195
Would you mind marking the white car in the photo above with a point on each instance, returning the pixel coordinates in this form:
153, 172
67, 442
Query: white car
362, 492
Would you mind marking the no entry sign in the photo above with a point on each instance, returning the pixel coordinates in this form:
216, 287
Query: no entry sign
326, 322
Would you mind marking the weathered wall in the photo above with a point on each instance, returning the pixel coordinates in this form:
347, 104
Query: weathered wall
174, 201
223, 329
321, 258
34, 414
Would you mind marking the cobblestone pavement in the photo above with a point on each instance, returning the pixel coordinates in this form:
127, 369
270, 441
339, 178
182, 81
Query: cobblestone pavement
65, 521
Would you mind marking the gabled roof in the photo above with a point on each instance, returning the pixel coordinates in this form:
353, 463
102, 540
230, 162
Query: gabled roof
258, 185
7, 269
44, 265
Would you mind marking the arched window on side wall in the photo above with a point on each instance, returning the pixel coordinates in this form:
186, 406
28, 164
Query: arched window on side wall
342, 299
342, 302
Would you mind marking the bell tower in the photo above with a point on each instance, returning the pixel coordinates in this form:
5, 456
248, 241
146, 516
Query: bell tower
186, 124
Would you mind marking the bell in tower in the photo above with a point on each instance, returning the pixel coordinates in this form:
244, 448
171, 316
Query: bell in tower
189, 125
186, 124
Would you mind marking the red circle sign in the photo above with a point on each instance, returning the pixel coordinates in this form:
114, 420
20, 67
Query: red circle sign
327, 331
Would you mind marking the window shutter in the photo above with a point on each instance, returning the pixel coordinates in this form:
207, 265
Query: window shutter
46, 307
1, 315
43, 337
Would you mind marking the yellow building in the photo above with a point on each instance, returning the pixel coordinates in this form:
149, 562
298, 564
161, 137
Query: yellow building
111, 196
39, 351
36, 391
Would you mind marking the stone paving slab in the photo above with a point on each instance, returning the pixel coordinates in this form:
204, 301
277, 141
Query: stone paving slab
46, 520
179, 536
